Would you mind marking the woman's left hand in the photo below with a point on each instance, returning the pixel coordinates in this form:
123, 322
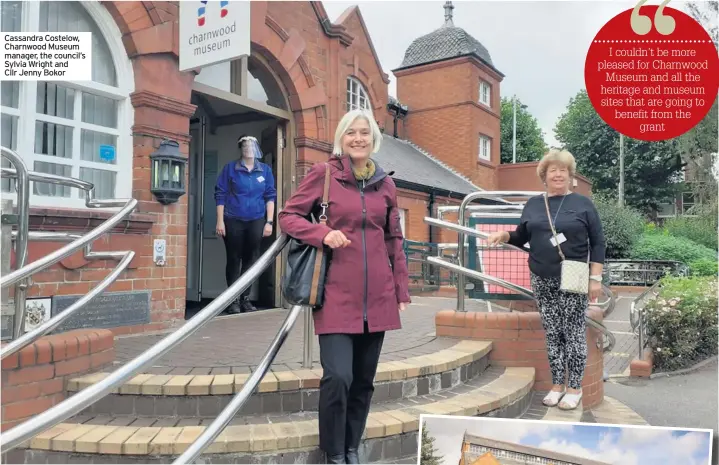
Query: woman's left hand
268, 230
402, 306
595, 290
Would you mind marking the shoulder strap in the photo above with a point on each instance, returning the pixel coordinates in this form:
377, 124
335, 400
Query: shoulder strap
325, 195
549, 217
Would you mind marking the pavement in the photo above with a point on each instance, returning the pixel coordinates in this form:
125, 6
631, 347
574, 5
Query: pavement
627, 346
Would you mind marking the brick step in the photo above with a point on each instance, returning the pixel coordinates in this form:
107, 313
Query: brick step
390, 434
283, 391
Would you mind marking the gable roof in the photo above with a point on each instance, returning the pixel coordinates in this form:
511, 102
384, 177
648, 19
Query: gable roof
413, 165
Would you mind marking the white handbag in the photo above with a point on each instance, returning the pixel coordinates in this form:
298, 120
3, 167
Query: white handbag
575, 274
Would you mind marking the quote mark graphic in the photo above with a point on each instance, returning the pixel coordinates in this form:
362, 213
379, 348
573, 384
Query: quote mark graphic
641, 24
201, 12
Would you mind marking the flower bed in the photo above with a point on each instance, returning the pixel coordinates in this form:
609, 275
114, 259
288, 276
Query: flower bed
682, 322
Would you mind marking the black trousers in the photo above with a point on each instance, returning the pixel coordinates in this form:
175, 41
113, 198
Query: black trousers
349, 363
242, 243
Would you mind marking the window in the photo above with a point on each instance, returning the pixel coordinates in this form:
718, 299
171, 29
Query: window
687, 202
59, 127
485, 90
666, 210
357, 95
403, 221
485, 148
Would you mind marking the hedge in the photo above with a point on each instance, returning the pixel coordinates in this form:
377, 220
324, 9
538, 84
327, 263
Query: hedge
701, 229
666, 247
622, 226
682, 322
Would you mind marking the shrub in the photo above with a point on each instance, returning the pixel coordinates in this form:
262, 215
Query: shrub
666, 247
701, 229
622, 226
704, 268
682, 322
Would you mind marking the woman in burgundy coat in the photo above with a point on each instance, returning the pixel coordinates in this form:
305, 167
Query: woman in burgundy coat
367, 281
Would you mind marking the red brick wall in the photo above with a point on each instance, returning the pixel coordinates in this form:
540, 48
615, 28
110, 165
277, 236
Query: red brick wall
35, 378
523, 177
446, 119
518, 340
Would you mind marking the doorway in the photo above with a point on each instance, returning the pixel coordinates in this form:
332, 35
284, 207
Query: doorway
217, 124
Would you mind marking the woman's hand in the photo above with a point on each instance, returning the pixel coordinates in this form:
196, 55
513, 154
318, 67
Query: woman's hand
595, 290
336, 239
402, 306
497, 237
268, 230
220, 228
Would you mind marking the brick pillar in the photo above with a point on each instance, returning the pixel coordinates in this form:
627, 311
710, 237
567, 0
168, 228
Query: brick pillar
518, 340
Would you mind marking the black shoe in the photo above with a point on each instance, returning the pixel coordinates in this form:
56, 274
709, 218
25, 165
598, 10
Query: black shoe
247, 306
352, 456
234, 308
336, 459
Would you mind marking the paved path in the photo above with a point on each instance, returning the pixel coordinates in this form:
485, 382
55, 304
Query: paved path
626, 347
233, 344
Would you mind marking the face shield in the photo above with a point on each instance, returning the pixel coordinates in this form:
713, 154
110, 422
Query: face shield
249, 147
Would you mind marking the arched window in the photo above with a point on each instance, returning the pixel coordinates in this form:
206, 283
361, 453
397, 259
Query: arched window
59, 127
357, 95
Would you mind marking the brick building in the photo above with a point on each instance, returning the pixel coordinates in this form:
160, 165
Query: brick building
304, 71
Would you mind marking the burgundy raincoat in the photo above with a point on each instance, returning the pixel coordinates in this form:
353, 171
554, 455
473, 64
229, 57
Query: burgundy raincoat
367, 279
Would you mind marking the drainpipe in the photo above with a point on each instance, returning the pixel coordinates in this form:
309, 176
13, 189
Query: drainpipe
430, 212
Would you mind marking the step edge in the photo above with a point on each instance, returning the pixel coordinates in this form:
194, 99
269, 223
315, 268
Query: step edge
461, 354
241, 438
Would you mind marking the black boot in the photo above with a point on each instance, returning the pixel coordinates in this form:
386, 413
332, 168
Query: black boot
234, 308
247, 305
336, 459
352, 455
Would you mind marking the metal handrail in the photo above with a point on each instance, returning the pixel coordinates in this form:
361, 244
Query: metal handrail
75, 404
23, 211
215, 428
636, 316
462, 222
460, 270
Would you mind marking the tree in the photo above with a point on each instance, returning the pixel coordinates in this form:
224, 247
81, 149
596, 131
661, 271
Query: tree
700, 145
429, 453
649, 167
530, 139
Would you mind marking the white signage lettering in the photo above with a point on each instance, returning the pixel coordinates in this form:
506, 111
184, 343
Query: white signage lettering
213, 32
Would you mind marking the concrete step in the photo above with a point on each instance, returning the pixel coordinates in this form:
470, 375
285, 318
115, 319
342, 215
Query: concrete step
283, 391
390, 434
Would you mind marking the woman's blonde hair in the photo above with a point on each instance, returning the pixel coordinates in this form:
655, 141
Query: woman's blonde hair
562, 157
345, 124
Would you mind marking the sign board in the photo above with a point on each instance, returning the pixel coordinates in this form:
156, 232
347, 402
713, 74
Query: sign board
107, 153
212, 32
108, 310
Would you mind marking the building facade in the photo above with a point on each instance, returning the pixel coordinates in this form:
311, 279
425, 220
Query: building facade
303, 73
478, 450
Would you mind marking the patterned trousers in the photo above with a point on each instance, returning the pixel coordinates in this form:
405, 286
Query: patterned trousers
563, 321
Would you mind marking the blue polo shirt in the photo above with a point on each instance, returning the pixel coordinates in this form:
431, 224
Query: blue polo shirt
245, 193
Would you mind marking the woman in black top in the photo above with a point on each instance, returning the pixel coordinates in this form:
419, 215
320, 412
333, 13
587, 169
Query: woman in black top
579, 233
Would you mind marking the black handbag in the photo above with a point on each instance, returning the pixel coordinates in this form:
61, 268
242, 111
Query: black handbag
304, 279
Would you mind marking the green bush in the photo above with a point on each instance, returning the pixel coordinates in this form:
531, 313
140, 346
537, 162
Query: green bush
682, 322
701, 229
666, 247
622, 226
704, 268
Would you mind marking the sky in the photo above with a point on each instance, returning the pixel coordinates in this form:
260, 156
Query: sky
620, 445
541, 55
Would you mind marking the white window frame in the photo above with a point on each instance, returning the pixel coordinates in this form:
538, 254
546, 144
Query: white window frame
673, 206
27, 115
485, 93
357, 92
684, 203
403, 221
485, 155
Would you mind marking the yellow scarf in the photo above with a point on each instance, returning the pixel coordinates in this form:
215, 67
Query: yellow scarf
365, 173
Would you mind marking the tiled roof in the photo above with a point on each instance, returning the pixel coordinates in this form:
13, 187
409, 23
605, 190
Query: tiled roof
442, 44
412, 164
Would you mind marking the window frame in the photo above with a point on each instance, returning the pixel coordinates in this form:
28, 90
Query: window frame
691, 204
28, 116
361, 93
481, 157
403, 221
482, 84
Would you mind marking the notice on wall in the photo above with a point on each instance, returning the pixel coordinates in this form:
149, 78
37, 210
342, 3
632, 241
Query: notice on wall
213, 32
54, 56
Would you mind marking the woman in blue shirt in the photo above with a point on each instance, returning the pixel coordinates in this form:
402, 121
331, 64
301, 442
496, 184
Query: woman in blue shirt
245, 195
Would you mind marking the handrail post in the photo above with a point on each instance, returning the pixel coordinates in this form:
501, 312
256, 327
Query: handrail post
308, 340
641, 332
23, 226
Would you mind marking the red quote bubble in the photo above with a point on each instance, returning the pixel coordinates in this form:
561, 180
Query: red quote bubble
653, 86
